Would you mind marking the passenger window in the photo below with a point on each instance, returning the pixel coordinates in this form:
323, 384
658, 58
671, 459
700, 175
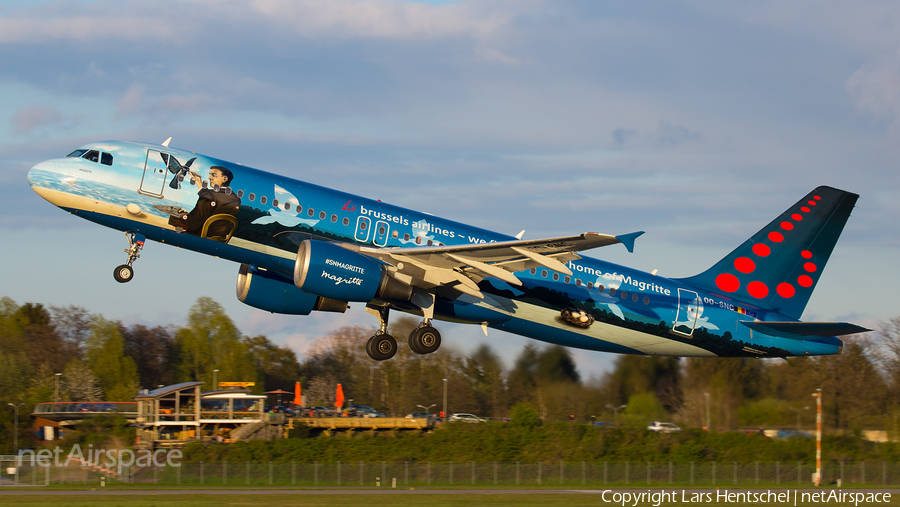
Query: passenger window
240, 193
287, 206
624, 294
555, 277
227, 190
601, 288
93, 156
106, 158
381, 230
533, 271
543, 273
634, 297
322, 215
395, 234
334, 219
262, 200
646, 300
590, 285
252, 196
430, 242
310, 212
406, 237
275, 203
346, 221
205, 184
299, 209
612, 291
578, 282
567, 279
418, 240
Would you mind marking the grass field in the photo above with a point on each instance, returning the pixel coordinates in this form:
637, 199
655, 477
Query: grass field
170, 498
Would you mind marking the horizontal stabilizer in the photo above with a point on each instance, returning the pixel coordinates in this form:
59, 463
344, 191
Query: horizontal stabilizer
796, 329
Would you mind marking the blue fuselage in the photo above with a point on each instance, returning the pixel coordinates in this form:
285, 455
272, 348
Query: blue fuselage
633, 311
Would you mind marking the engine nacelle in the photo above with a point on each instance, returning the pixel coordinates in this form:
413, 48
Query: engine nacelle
273, 293
333, 272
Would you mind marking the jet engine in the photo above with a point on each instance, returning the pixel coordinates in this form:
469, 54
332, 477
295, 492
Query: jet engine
274, 293
330, 271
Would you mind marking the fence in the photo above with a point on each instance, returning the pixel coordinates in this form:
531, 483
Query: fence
355, 474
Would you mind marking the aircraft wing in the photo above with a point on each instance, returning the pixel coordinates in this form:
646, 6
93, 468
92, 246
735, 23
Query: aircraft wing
461, 267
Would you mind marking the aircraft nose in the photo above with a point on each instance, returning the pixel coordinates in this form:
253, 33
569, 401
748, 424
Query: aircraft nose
34, 171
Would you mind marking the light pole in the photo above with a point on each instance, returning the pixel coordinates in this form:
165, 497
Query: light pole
615, 410
706, 395
428, 408
57, 386
215, 380
446, 418
16, 426
818, 396
797, 410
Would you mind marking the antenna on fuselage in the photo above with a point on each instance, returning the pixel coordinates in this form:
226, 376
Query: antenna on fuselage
166, 142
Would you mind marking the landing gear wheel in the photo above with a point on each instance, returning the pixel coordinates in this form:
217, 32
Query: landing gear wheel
424, 340
123, 273
381, 347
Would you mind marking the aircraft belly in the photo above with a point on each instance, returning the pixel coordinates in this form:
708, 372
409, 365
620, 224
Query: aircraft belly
591, 337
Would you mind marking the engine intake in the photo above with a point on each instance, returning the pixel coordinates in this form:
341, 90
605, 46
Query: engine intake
274, 293
333, 272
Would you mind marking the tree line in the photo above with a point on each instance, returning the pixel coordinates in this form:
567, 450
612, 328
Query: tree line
102, 359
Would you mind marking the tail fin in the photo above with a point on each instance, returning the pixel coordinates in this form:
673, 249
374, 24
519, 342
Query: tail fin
778, 267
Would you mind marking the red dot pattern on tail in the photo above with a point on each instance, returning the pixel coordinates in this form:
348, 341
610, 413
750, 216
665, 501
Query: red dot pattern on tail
729, 282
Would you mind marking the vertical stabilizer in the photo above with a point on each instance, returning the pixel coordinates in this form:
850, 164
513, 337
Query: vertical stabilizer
779, 267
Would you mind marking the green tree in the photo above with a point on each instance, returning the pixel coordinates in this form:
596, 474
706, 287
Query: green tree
105, 354
276, 365
211, 341
642, 409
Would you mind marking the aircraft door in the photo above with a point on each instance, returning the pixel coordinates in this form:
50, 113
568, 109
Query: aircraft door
688, 311
363, 224
381, 233
155, 171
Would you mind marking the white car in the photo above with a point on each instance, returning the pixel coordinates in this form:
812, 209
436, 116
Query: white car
663, 427
469, 418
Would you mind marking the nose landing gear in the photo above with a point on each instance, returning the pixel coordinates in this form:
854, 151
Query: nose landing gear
125, 272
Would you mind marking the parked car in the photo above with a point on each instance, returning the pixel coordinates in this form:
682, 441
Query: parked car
365, 411
468, 418
418, 415
785, 434
663, 427
604, 424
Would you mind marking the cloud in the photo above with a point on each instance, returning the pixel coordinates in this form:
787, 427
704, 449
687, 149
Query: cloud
876, 88
29, 118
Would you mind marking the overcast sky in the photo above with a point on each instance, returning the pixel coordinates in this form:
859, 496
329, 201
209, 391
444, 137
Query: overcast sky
696, 121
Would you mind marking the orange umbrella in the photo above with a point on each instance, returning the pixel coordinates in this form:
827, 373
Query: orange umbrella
339, 402
298, 399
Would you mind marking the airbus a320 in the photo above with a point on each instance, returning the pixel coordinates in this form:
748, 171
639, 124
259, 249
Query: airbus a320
304, 247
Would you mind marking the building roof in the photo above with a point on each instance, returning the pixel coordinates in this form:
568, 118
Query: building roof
162, 391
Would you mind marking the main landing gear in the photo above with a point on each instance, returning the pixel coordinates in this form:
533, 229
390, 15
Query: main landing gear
425, 339
125, 272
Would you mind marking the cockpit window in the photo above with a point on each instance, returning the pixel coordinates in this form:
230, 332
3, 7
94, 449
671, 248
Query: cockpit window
93, 156
106, 158
76, 153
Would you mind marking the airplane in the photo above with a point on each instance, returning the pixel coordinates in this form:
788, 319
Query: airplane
304, 247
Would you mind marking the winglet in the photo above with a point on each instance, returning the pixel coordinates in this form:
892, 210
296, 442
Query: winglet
628, 240
166, 142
